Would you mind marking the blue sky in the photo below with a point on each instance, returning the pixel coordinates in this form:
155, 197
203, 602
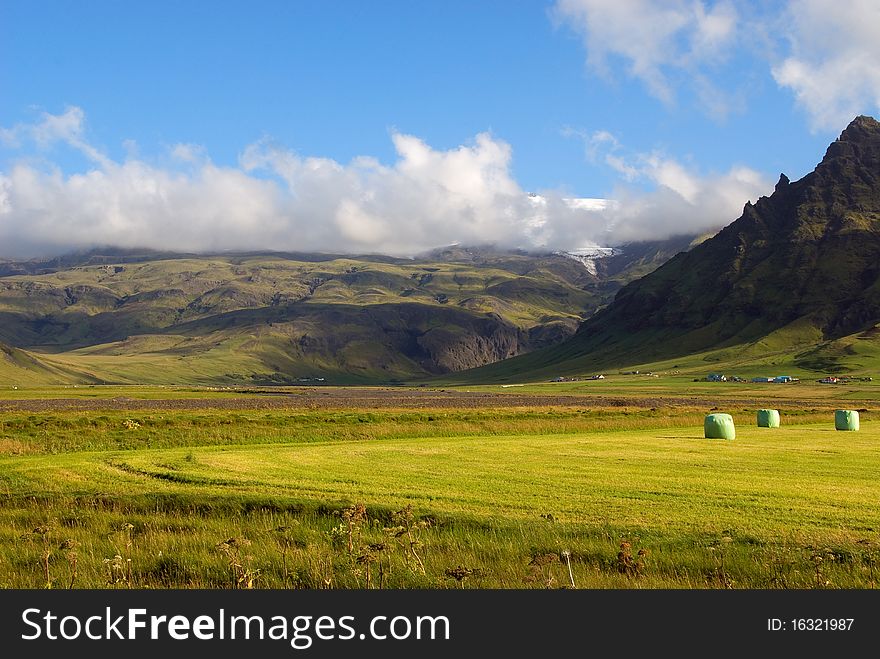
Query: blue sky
681, 111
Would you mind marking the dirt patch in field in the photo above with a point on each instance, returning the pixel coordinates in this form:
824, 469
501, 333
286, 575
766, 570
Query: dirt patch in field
391, 398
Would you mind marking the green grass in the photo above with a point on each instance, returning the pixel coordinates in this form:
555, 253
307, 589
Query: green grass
793, 507
796, 349
53, 433
674, 475
665, 387
137, 392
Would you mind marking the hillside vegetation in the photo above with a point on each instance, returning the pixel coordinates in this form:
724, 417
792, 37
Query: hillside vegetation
278, 318
796, 278
281, 318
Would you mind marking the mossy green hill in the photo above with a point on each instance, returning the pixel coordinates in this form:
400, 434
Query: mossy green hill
129, 317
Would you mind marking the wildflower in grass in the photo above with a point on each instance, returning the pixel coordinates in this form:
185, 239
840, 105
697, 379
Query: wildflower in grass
69, 547
354, 517
407, 532
459, 573
717, 547
631, 566
366, 559
243, 575
566, 555
542, 569
118, 570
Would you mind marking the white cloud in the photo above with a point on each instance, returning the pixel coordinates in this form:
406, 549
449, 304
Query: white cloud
425, 199
275, 199
657, 41
833, 67
684, 203
135, 205
67, 127
191, 153
713, 30
678, 200
826, 52
278, 200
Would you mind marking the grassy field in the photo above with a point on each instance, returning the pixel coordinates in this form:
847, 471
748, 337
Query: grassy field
665, 386
583, 494
142, 392
798, 349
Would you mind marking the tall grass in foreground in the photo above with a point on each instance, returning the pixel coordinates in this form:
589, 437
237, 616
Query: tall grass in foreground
203, 543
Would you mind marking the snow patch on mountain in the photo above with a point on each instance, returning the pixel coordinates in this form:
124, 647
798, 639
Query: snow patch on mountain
587, 256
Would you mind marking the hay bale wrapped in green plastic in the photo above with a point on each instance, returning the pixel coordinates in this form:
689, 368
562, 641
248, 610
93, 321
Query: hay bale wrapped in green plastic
719, 426
846, 420
768, 418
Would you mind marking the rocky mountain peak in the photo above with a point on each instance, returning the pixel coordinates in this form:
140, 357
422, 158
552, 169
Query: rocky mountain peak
783, 183
809, 252
859, 142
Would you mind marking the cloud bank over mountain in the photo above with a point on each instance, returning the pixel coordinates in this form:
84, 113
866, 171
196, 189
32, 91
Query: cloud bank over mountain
277, 199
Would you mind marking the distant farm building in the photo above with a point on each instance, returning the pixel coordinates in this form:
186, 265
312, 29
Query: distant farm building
716, 377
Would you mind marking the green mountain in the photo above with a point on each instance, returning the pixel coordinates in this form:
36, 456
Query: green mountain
20, 367
798, 272
147, 317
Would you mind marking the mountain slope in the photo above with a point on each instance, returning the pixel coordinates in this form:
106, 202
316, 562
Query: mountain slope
803, 263
19, 367
147, 317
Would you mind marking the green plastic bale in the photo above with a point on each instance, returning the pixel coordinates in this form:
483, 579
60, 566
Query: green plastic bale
768, 418
846, 420
719, 426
